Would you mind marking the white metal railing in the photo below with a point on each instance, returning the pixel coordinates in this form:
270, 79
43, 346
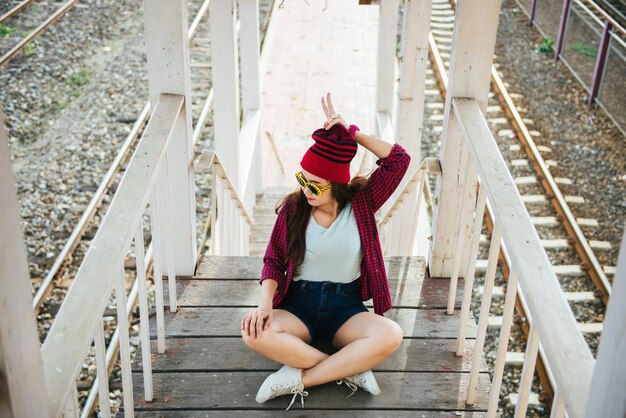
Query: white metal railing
410, 193
227, 209
80, 319
553, 326
554, 334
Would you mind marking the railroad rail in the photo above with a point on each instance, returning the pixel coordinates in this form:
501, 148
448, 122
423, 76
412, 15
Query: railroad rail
59, 13
514, 125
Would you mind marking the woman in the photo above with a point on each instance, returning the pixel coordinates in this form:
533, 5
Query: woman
322, 261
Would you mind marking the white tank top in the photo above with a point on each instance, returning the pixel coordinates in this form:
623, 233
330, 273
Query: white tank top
332, 254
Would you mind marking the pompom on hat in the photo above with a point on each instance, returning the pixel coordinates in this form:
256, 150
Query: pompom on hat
330, 156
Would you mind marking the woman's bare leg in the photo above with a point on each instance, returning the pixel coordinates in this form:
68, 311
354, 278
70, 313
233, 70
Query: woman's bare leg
286, 342
366, 340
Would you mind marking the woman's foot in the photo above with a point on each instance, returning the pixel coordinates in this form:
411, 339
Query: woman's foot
286, 381
365, 380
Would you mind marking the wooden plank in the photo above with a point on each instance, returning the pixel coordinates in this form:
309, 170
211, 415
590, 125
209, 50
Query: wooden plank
229, 267
318, 414
225, 321
241, 267
220, 390
227, 354
413, 293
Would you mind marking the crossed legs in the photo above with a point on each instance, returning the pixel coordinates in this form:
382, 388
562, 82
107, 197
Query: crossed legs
363, 341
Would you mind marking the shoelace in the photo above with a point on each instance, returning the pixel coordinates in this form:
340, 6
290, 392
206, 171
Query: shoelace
351, 385
298, 391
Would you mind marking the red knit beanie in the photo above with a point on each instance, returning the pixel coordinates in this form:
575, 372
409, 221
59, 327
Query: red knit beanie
330, 156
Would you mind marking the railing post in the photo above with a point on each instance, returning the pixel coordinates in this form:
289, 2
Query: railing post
168, 72
250, 93
598, 71
22, 391
225, 68
385, 67
474, 39
408, 122
413, 64
607, 397
531, 15
562, 27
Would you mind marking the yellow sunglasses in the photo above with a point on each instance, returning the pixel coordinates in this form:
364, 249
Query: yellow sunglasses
312, 187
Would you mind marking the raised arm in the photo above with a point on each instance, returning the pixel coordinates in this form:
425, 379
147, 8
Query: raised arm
393, 160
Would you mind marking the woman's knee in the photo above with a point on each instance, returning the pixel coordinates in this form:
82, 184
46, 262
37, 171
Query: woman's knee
263, 338
392, 337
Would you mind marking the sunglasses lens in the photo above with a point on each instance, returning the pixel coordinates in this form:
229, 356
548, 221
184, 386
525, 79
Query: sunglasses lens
301, 181
313, 188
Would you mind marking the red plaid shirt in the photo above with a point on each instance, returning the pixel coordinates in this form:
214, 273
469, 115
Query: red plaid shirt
373, 280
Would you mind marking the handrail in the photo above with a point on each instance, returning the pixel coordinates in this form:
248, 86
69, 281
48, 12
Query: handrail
553, 318
428, 165
209, 159
210, 162
72, 242
77, 319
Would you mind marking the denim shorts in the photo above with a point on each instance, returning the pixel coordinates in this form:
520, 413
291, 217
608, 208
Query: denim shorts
323, 306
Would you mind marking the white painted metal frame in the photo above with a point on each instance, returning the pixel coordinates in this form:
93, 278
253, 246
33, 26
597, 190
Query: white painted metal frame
412, 186
473, 45
225, 81
553, 324
385, 67
413, 61
408, 119
81, 313
250, 166
22, 392
227, 213
607, 397
167, 43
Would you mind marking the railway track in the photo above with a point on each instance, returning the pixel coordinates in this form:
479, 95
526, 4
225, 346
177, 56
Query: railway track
26, 33
551, 201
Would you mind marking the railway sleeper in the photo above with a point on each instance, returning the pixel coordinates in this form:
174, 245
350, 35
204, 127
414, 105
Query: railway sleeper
533, 399
562, 244
586, 328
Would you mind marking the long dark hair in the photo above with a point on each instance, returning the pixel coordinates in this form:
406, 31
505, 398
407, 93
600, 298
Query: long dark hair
297, 219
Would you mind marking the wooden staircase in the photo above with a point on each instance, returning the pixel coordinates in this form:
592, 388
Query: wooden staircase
264, 217
208, 371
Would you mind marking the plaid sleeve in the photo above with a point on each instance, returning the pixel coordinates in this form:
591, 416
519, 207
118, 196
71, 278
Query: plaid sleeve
386, 178
274, 265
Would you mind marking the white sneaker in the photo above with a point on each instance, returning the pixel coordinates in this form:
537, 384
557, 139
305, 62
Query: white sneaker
285, 381
366, 380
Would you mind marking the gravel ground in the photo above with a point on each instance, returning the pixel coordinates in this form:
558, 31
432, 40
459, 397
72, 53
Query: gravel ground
588, 148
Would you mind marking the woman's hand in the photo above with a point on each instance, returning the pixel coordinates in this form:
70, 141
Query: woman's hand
257, 321
332, 118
